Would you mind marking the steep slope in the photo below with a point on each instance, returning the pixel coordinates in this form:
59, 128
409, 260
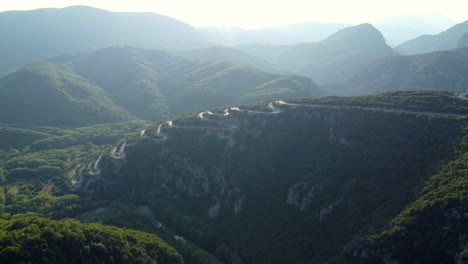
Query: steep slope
157, 84
443, 70
122, 83
427, 43
36, 240
46, 93
129, 76
198, 86
433, 229
336, 58
333, 60
286, 182
29, 36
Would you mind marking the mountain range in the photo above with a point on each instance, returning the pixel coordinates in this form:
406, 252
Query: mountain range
332, 60
278, 35
400, 29
30, 36
445, 40
441, 70
117, 84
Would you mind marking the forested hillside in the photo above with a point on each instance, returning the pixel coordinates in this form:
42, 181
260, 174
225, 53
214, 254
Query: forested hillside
463, 42
51, 32
227, 54
36, 240
122, 83
289, 172
332, 60
442, 70
446, 40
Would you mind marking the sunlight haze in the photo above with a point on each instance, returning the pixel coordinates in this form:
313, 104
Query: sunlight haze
263, 13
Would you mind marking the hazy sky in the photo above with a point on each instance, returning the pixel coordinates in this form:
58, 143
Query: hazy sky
261, 13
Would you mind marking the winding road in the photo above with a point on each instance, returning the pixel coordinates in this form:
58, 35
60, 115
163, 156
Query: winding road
94, 170
121, 153
204, 116
77, 178
275, 110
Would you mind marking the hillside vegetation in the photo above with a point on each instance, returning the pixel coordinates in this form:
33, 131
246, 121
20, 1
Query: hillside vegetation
225, 54
463, 42
36, 240
48, 94
443, 70
446, 40
332, 60
118, 84
52, 32
291, 172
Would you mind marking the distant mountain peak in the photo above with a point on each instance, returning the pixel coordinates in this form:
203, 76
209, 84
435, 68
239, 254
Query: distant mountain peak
362, 32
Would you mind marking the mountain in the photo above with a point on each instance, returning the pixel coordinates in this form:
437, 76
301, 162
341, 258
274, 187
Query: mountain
307, 32
333, 60
48, 94
29, 36
336, 58
226, 54
39, 240
277, 35
463, 42
299, 181
123, 83
404, 28
442, 70
443, 41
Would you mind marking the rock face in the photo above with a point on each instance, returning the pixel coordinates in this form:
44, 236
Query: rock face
301, 195
463, 258
366, 249
358, 247
326, 212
